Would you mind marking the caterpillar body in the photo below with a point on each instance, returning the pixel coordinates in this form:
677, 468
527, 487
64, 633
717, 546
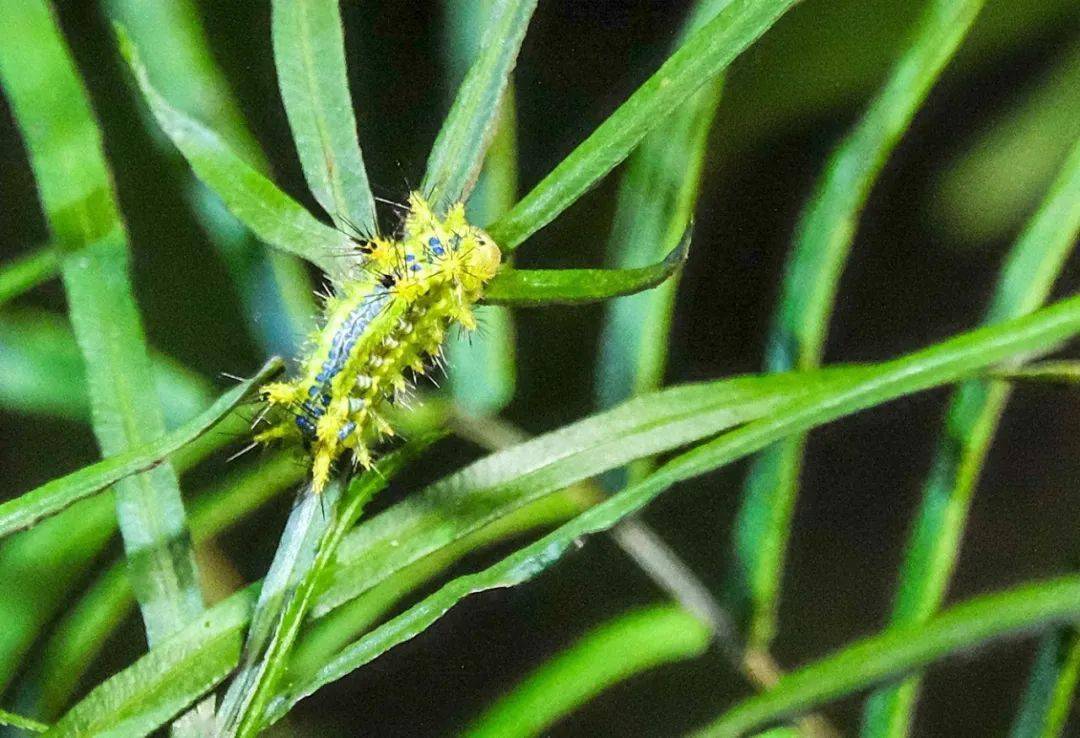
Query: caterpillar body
377, 328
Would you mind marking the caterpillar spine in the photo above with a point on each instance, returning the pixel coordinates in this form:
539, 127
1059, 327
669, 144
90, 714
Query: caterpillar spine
375, 329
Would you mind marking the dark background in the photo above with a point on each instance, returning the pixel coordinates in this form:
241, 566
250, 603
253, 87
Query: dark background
910, 282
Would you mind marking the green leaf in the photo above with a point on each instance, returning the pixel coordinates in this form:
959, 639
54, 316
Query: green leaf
53, 113
537, 287
86, 628
1029, 273
796, 340
309, 53
656, 198
27, 272
274, 287
1049, 694
900, 650
257, 202
315, 529
610, 653
458, 152
52, 497
22, 723
984, 195
42, 372
872, 385
705, 54
482, 366
1053, 372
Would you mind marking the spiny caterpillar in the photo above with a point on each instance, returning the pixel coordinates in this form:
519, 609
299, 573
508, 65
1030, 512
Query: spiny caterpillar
376, 328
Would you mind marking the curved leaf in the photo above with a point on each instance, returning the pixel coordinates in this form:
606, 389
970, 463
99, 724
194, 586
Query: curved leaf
52, 497
538, 287
610, 653
257, 202
27, 272
309, 53
900, 650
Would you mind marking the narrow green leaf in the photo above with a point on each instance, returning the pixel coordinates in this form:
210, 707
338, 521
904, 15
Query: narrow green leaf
257, 202
610, 653
309, 53
274, 287
537, 287
27, 272
1051, 687
22, 723
796, 340
144, 692
482, 369
899, 650
42, 372
940, 364
312, 535
705, 54
458, 152
85, 628
53, 112
52, 497
656, 198
1030, 270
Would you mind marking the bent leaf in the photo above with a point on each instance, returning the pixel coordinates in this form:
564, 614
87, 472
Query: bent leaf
537, 287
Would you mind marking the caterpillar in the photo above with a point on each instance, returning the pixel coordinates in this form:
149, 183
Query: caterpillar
374, 329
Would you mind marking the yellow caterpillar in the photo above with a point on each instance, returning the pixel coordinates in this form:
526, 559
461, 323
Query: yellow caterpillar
375, 329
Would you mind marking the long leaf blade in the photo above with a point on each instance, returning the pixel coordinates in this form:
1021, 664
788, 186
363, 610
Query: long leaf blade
538, 287
701, 58
796, 340
309, 53
608, 654
54, 114
257, 202
1051, 687
1030, 270
900, 650
53, 497
458, 152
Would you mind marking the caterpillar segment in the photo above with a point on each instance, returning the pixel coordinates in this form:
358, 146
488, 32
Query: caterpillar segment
377, 331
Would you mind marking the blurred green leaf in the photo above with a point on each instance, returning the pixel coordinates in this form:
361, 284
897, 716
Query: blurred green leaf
1054, 372
27, 272
458, 151
610, 653
796, 340
538, 287
42, 372
309, 53
257, 202
274, 287
85, 628
987, 191
52, 497
1029, 273
656, 199
699, 59
481, 364
315, 529
1049, 694
53, 112
899, 650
